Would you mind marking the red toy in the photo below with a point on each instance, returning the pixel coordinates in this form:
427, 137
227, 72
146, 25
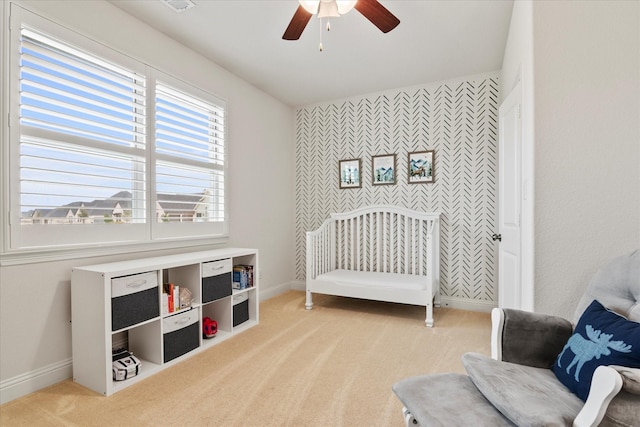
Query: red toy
209, 328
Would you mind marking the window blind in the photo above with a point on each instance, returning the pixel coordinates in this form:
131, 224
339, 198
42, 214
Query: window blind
189, 157
82, 136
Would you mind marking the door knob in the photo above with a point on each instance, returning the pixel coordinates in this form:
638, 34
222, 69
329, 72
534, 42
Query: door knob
497, 237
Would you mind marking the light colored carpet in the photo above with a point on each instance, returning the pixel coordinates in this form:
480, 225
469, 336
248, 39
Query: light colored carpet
331, 366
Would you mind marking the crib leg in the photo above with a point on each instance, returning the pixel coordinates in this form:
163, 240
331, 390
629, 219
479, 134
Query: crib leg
309, 304
429, 320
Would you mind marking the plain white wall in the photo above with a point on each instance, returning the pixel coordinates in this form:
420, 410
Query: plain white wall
579, 65
587, 143
35, 312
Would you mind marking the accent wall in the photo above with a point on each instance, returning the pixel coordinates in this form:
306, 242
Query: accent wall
458, 120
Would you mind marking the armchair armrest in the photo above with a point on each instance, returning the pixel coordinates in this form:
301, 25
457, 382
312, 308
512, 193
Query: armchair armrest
526, 338
605, 384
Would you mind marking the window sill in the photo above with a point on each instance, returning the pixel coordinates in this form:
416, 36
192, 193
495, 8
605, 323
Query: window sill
35, 256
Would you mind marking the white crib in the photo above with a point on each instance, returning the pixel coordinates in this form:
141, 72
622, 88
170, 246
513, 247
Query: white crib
383, 253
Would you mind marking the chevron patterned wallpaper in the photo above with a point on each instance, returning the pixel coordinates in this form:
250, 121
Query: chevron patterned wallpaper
457, 119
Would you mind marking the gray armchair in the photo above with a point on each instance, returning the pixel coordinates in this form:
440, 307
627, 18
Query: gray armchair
516, 385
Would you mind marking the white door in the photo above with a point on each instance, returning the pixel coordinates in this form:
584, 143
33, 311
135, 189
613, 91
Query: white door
509, 234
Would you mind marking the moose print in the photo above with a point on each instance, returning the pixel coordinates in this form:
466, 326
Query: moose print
584, 350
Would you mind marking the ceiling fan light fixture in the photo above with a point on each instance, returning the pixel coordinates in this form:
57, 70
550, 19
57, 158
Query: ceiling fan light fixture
310, 6
328, 8
345, 6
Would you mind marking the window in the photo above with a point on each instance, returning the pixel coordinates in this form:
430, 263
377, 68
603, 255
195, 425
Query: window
107, 149
189, 157
82, 137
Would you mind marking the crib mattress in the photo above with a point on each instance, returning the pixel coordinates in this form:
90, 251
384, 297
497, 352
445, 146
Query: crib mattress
383, 280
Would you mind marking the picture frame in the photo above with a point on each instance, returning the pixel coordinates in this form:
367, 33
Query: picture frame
349, 173
383, 169
420, 167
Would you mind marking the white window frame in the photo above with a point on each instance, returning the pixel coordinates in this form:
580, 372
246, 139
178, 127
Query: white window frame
102, 239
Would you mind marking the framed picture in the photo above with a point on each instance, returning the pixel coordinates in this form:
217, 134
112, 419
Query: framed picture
383, 169
420, 167
350, 173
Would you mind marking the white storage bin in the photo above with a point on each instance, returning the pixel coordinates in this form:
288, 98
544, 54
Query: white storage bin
214, 268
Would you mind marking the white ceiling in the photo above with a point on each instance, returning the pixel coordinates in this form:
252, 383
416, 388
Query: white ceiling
436, 40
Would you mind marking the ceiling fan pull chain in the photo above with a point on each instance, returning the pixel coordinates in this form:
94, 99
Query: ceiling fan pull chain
321, 47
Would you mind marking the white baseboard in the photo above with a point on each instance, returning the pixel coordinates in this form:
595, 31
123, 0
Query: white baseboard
298, 285
276, 290
465, 304
29, 382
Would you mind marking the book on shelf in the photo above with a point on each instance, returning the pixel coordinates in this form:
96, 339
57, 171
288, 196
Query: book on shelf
165, 303
172, 293
242, 276
176, 297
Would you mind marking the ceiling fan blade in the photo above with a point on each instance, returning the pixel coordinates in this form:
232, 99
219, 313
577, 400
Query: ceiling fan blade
377, 14
297, 24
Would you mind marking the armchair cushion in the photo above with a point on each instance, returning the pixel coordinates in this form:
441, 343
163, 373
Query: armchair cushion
617, 286
622, 411
630, 378
435, 400
523, 393
601, 337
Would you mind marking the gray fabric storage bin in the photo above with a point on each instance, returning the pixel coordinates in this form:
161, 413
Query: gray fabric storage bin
216, 280
181, 334
134, 299
240, 309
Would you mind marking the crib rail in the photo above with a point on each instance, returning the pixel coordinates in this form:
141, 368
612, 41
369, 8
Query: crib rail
386, 239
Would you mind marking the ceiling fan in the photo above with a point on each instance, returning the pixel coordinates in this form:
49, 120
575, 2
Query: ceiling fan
371, 9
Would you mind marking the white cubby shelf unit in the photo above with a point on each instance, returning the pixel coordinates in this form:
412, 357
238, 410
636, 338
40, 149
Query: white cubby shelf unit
119, 304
